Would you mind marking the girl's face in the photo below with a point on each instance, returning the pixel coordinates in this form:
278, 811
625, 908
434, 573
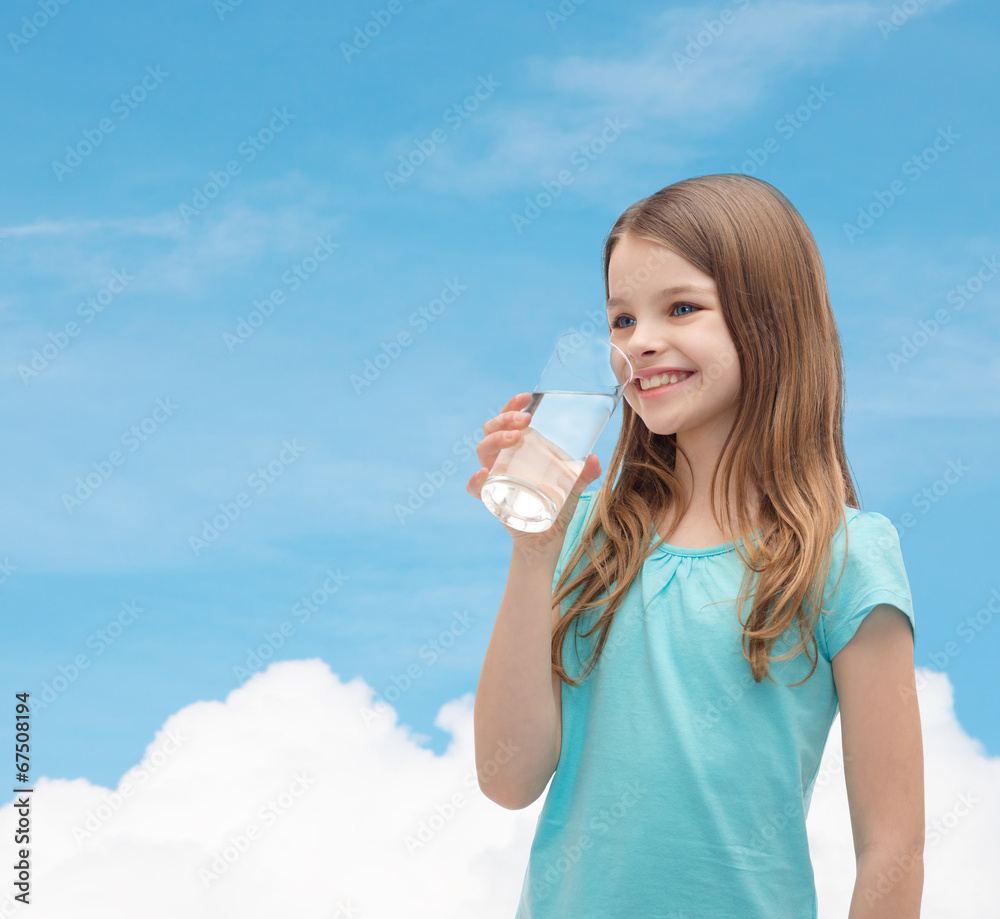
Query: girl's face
664, 313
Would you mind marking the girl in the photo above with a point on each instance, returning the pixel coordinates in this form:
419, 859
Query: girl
724, 595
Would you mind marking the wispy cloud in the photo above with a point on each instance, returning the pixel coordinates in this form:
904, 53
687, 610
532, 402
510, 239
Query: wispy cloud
693, 63
686, 72
166, 252
162, 225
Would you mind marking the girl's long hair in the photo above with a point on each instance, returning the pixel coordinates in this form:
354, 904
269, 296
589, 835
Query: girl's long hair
787, 439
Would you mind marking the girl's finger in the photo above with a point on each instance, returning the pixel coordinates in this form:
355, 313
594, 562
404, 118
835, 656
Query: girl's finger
475, 484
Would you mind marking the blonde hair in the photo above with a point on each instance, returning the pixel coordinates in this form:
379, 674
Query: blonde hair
786, 441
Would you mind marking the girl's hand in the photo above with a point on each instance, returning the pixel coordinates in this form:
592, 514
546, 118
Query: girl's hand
503, 431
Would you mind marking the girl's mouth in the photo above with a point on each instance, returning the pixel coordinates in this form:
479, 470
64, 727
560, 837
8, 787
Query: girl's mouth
660, 390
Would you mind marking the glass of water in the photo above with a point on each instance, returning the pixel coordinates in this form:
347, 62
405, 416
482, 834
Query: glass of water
580, 387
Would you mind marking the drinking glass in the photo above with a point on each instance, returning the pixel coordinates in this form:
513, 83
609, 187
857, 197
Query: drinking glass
580, 387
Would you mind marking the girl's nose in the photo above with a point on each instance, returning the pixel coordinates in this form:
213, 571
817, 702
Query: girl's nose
645, 340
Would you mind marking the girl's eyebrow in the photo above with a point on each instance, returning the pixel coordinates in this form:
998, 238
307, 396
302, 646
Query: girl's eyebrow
669, 292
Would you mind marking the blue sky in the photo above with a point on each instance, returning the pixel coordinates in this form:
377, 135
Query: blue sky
216, 216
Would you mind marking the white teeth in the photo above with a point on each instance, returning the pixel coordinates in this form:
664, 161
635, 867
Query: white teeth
662, 378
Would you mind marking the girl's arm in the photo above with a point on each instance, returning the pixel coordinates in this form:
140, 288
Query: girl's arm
883, 765
518, 708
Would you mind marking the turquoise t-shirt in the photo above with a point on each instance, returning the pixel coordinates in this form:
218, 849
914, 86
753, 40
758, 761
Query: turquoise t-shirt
683, 786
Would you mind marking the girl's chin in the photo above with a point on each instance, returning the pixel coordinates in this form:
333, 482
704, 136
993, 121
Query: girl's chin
650, 421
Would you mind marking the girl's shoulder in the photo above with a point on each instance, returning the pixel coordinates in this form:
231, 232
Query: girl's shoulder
865, 528
865, 547
866, 568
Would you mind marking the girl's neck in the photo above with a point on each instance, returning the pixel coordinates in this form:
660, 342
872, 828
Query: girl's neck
698, 528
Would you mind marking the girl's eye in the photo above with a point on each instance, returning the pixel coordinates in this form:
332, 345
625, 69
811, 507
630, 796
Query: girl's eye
615, 322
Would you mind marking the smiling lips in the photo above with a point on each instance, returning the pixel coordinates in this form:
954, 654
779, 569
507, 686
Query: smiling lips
657, 384
661, 378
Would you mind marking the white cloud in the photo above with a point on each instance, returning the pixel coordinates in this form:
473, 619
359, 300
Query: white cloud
962, 810
345, 796
369, 789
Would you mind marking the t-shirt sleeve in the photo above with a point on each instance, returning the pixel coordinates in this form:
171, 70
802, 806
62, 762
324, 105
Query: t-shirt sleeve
873, 573
574, 532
